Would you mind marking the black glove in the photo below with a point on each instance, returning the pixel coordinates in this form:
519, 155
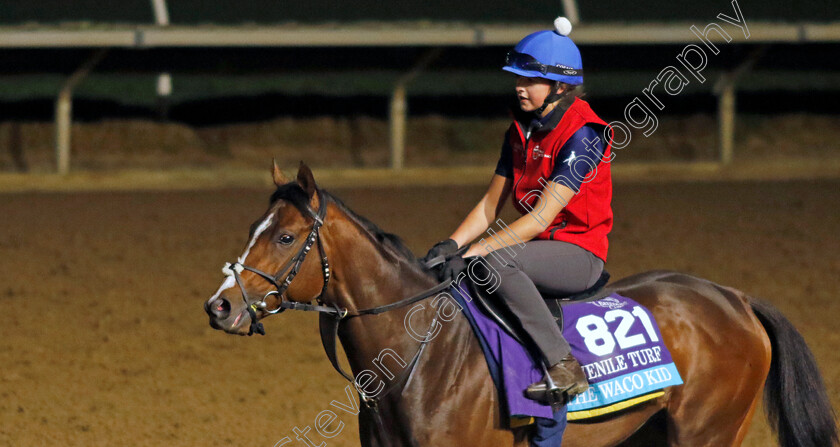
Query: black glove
452, 268
445, 248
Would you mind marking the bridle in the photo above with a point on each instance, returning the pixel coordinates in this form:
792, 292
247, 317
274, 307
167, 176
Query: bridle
294, 262
331, 316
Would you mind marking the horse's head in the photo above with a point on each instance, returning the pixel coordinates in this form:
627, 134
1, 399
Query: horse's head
260, 281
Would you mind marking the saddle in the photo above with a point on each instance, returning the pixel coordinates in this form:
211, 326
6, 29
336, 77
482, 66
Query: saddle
494, 309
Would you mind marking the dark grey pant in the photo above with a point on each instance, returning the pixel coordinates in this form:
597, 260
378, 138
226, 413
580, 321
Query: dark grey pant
554, 267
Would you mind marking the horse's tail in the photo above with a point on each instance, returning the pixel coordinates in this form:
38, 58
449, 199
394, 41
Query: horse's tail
795, 398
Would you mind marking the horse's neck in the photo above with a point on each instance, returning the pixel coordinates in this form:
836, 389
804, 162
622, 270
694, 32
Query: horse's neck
380, 348
367, 275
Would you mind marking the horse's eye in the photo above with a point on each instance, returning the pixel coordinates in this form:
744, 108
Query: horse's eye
285, 239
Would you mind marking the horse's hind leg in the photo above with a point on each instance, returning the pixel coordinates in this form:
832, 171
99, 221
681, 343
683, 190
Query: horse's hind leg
723, 354
745, 424
719, 413
713, 423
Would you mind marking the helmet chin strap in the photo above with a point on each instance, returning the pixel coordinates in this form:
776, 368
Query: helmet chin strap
550, 99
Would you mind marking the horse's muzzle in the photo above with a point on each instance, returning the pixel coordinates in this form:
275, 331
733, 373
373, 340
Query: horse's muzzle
218, 309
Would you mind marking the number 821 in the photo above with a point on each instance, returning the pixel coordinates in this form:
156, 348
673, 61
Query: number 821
600, 341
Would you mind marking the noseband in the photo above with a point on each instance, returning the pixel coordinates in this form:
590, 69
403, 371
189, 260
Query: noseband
281, 286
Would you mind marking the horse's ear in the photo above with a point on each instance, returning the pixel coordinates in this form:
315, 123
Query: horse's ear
279, 178
306, 180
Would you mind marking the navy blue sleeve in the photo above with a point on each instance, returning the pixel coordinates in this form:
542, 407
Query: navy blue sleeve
569, 169
505, 165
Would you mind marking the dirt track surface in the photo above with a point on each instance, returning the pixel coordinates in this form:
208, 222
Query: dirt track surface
104, 341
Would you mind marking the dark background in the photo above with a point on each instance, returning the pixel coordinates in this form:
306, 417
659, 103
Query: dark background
317, 11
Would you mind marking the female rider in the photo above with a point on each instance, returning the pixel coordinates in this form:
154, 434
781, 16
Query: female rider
555, 161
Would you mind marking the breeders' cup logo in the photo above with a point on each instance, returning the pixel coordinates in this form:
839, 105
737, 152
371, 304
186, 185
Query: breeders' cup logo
537, 153
609, 303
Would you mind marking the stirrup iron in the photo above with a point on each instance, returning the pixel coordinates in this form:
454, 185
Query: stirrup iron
555, 396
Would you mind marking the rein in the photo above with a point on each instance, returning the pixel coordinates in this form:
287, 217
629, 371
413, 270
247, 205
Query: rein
331, 316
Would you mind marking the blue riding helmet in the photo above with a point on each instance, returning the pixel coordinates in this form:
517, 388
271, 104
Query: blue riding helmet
547, 54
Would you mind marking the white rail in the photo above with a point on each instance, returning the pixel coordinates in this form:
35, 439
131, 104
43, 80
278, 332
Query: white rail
149, 36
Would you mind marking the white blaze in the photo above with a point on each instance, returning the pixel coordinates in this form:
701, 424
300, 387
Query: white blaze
230, 281
260, 229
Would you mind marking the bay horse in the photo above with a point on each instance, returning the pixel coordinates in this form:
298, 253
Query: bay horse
728, 347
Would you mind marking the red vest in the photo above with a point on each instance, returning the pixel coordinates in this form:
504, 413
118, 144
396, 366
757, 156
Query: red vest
587, 218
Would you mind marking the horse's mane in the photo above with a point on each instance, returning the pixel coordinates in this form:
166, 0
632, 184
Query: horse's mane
292, 192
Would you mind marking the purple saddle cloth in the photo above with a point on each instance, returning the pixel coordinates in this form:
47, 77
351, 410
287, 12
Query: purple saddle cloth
615, 339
